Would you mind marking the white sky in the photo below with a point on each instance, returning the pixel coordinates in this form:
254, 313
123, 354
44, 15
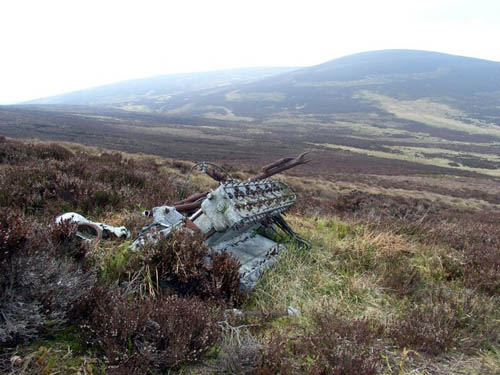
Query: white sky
48, 47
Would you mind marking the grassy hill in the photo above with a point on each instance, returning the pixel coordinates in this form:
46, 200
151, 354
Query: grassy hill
344, 85
401, 203
158, 89
353, 143
424, 112
402, 277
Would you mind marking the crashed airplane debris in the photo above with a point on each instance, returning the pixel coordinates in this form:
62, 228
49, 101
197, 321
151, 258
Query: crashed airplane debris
237, 217
100, 229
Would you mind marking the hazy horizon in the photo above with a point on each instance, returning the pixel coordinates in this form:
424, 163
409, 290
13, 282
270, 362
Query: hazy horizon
55, 47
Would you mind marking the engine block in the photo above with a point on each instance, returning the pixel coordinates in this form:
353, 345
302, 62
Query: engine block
239, 205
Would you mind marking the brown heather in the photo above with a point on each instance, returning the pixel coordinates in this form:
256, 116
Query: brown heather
48, 275
47, 179
402, 278
136, 333
334, 346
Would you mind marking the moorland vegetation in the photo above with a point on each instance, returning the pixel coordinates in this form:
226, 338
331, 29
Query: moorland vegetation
403, 276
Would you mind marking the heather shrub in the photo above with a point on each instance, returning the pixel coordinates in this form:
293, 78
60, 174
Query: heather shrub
25, 188
224, 279
474, 237
51, 151
39, 297
398, 275
125, 176
182, 263
11, 152
442, 321
482, 270
15, 152
427, 328
133, 221
66, 242
49, 179
137, 333
156, 309
334, 346
178, 259
12, 240
379, 206
40, 278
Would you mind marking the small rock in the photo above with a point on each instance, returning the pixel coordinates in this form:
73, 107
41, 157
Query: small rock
292, 311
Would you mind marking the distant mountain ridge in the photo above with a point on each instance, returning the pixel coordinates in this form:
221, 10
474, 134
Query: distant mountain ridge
158, 86
378, 111
361, 83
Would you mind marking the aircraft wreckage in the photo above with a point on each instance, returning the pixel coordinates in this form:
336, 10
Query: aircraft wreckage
237, 217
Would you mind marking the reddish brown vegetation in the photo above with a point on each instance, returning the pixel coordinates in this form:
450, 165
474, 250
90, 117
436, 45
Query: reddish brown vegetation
137, 333
335, 346
474, 237
64, 237
180, 264
41, 277
232, 142
178, 322
49, 179
45, 275
368, 207
441, 321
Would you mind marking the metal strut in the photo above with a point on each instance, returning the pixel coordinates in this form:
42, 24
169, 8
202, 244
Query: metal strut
283, 225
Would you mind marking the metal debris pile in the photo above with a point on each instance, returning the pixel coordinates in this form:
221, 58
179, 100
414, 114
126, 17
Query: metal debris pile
239, 217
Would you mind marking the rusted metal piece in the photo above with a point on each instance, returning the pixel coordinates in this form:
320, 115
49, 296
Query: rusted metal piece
191, 198
216, 175
189, 224
280, 166
188, 207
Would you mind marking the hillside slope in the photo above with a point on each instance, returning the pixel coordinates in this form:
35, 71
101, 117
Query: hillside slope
402, 276
375, 112
383, 145
348, 84
158, 89
344, 85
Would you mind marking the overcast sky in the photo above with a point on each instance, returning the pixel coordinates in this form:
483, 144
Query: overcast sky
53, 46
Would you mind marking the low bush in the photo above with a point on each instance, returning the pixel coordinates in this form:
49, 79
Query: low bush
475, 238
441, 321
136, 333
66, 242
379, 206
182, 264
50, 151
40, 279
13, 238
398, 275
335, 346
50, 179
